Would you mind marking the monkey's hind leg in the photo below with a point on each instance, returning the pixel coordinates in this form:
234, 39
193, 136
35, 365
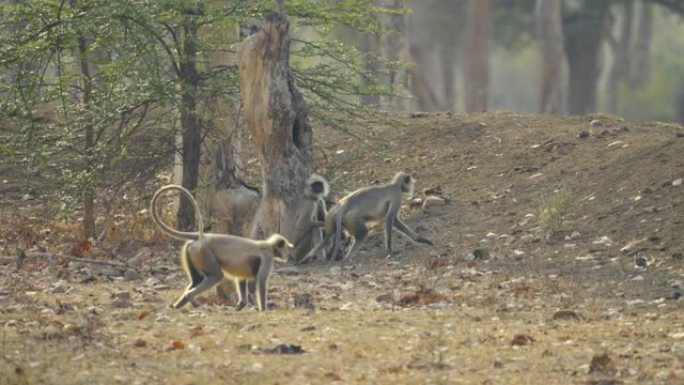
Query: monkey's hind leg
195, 278
213, 275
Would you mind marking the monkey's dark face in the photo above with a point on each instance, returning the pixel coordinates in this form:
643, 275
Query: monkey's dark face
407, 184
317, 187
281, 248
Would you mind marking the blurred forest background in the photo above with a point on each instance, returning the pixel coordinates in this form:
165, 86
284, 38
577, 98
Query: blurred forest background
99, 96
570, 57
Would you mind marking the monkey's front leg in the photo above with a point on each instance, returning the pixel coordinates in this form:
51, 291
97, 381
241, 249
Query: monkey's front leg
243, 293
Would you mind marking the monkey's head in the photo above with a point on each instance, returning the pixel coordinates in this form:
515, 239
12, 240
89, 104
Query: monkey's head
316, 187
405, 182
281, 246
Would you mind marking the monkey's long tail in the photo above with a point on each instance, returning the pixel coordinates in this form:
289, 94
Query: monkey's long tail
170, 231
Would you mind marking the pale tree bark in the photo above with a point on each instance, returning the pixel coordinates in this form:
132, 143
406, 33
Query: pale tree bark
621, 57
276, 115
419, 84
476, 66
550, 37
641, 63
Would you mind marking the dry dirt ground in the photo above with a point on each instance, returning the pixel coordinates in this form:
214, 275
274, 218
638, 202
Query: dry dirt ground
559, 260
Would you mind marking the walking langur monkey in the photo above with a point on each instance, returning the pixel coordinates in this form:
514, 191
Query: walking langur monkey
364, 208
207, 258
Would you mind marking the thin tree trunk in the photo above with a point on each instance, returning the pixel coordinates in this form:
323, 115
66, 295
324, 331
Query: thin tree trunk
621, 55
425, 97
477, 56
370, 46
641, 69
89, 138
393, 46
550, 36
583, 36
191, 124
276, 115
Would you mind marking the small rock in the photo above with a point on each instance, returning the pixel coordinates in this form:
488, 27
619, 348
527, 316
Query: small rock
335, 270
573, 235
518, 253
287, 270
51, 331
27, 197
437, 190
387, 297
602, 364
432, 201
583, 134
303, 300
121, 303
676, 284
140, 343
641, 261
122, 295
71, 329
603, 241
680, 134
521, 339
131, 275
567, 315
58, 289
674, 296
677, 182
617, 143
596, 123
416, 202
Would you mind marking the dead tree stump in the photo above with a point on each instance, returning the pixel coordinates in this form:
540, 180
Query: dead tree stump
276, 115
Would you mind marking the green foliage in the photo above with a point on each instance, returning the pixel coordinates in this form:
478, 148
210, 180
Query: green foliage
135, 53
553, 210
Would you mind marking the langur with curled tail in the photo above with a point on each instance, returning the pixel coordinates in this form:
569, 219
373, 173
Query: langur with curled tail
208, 257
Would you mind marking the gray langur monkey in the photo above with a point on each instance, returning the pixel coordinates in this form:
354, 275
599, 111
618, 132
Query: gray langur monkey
208, 257
364, 208
312, 217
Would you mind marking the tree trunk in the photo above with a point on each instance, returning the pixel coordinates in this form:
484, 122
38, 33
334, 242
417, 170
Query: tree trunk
191, 124
89, 138
370, 46
679, 104
621, 54
419, 84
276, 115
550, 36
476, 76
641, 69
583, 36
393, 46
